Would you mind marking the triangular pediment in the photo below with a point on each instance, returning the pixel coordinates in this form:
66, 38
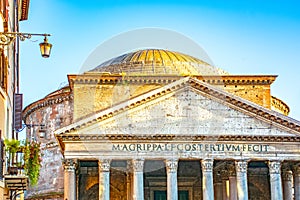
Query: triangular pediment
187, 107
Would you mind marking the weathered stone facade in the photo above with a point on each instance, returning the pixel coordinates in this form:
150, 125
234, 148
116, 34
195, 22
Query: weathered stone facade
142, 134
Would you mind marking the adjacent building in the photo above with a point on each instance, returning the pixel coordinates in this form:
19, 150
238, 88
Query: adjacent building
158, 124
11, 12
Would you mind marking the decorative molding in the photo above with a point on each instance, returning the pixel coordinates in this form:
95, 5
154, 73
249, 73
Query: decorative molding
162, 137
207, 165
171, 165
104, 165
274, 167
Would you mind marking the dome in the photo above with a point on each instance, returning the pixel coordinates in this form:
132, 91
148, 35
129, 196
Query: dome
157, 62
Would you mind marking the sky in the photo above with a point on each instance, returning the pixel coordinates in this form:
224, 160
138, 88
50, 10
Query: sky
249, 37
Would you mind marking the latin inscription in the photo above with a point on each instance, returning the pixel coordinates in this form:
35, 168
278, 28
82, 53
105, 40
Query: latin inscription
155, 147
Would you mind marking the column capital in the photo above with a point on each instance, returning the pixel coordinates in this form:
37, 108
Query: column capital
274, 167
224, 174
69, 164
207, 165
138, 165
231, 169
241, 166
296, 169
287, 175
171, 165
104, 165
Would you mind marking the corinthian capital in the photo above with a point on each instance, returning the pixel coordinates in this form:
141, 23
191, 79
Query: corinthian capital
207, 165
69, 164
171, 165
241, 166
104, 165
274, 167
138, 165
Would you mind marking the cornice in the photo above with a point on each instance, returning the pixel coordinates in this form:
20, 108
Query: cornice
104, 78
169, 137
47, 101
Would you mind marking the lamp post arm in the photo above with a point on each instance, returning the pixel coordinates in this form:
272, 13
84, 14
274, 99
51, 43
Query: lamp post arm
7, 37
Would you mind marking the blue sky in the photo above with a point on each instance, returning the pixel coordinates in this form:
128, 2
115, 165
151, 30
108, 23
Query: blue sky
241, 37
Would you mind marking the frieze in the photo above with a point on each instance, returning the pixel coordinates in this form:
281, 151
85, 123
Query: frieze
189, 147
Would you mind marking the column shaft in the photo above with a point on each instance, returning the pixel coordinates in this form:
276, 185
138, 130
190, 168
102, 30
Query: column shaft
287, 178
207, 179
296, 171
232, 182
275, 180
104, 188
138, 179
225, 185
172, 189
69, 180
241, 180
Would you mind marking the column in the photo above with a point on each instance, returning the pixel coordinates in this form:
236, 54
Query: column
287, 178
207, 179
218, 189
69, 179
104, 168
275, 180
171, 168
241, 180
128, 180
296, 170
138, 179
225, 185
232, 182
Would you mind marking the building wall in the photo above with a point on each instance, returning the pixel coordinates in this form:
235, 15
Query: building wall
53, 116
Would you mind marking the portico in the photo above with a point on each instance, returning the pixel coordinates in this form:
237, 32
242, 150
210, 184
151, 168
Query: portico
178, 138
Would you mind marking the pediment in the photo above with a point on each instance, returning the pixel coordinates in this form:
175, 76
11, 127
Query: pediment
183, 108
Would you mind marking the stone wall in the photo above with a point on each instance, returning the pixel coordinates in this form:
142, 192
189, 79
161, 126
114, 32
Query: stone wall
52, 116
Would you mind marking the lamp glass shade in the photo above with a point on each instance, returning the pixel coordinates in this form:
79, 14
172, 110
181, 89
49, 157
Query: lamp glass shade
45, 48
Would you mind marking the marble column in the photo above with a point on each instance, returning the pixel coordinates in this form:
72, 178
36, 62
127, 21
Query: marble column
275, 180
225, 185
172, 189
296, 170
69, 179
104, 186
241, 180
287, 178
232, 182
207, 179
138, 179
218, 190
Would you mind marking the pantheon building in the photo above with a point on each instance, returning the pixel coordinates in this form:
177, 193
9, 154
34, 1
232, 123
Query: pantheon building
155, 124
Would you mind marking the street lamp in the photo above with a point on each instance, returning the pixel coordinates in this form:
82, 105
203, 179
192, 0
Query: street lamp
6, 38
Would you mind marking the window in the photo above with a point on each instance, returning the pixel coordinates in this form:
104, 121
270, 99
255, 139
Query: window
1, 156
3, 71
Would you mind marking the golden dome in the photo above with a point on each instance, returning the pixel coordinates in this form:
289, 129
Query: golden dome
157, 62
